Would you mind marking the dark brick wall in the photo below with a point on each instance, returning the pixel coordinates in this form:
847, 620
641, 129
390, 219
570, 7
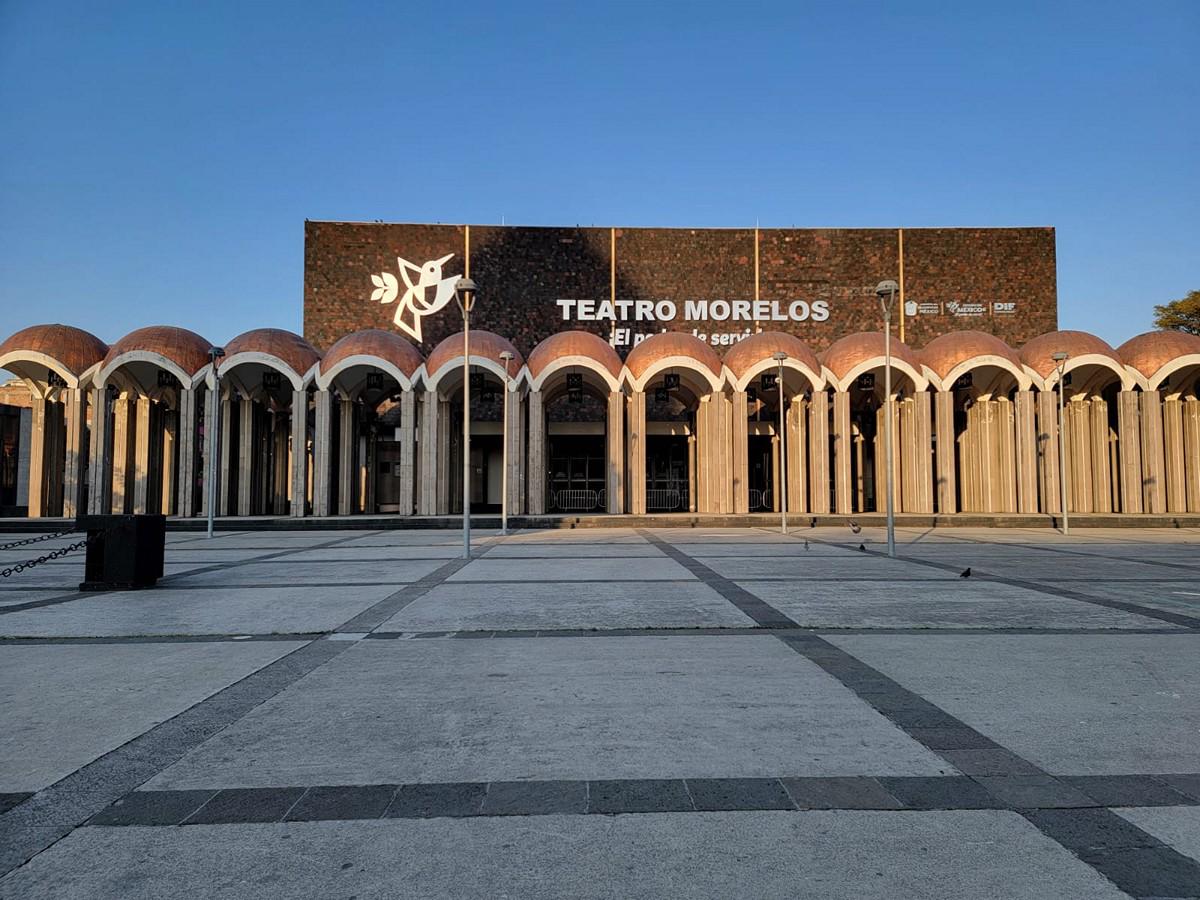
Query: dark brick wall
521, 272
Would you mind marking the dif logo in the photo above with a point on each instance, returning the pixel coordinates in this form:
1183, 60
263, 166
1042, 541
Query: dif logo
1003, 309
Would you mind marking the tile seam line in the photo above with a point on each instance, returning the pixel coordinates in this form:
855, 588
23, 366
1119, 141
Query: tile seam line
975, 542
816, 641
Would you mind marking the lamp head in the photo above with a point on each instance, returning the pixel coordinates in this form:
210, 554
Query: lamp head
464, 293
1059, 357
779, 356
506, 355
886, 289
215, 353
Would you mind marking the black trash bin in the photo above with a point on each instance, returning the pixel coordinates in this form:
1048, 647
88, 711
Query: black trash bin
123, 552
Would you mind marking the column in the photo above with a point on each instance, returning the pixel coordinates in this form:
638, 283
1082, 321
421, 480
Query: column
347, 445
515, 494
299, 453
38, 499
408, 433
1191, 454
1102, 471
841, 452
797, 468
185, 503
615, 485
1047, 452
693, 467
322, 447
282, 469
245, 456
1027, 453
1173, 453
636, 470
122, 455
427, 465
741, 444
818, 451
228, 454
919, 452
1154, 490
449, 469
536, 479
141, 455
74, 471
100, 457
169, 419
1129, 448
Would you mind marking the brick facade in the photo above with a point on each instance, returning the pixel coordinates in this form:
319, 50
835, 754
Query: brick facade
960, 278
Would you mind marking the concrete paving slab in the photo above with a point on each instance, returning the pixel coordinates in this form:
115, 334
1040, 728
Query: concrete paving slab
507, 606
1176, 826
833, 855
847, 565
934, 604
399, 571
517, 709
360, 552
566, 569
1180, 595
751, 550
1073, 704
63, 706
573, 550
259, 610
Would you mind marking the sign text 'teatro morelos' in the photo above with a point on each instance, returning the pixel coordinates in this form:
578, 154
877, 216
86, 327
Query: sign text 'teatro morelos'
719, 284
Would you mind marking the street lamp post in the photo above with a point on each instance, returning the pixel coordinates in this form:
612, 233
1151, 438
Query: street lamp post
1060, 363
464, 293
507, 357
886, 292
214, 353
779, 357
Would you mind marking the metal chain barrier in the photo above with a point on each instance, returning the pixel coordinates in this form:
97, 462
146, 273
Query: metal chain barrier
34, 540
53, 554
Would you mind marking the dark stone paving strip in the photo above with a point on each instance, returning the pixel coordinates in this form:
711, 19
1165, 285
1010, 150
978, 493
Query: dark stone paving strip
993, 775
611, 797
8, 801
1064, 551
159, 639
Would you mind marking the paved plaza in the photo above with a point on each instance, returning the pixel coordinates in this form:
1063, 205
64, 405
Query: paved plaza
651, 713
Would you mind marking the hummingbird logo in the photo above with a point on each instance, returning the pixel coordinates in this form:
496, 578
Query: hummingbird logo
428, 294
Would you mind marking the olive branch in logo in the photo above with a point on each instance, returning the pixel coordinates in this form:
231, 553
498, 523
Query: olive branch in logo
416, 301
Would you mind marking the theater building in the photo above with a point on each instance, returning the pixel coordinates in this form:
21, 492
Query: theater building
630, 371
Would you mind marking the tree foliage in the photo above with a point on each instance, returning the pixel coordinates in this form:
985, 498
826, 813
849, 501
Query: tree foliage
1180, 315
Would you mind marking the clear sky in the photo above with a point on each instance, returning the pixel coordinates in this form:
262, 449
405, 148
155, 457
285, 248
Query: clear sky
158, 159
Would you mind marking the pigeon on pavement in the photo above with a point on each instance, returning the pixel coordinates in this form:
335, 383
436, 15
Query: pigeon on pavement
862, 548
854, 526
965, 573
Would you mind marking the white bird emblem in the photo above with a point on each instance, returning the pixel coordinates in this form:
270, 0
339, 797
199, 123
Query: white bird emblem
416, 302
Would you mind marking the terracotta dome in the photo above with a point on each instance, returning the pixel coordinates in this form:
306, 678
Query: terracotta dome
291, 349
667, 344
484, 345
843, 355
375, 342
1151, 351
77, 350
574, 343
184, 348
748, 352
1037, 352
943, 353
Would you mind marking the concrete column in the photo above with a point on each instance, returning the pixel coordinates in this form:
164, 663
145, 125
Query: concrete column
797, 463
1026, 453
1102, 471
1129, 448
1047, 452
1154, 490
1076, 426
1191, 452
615, 484
516, 458
636, 471
740, 454
168, 488
693, 467
122, 456
721, 462
841, 452
37, 459
245, 456
408, 431
427, 465
347, 449
322, 447
818, 451
75, 412
1173, 453
299, 453
228, 455
141, 455
100, 458
449, 469
698, 498
282, 470
185, 494
536, 478
921, 453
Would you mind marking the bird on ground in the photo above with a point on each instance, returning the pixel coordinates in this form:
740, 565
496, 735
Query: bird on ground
806, 545
965, 573
862, 548
854, 526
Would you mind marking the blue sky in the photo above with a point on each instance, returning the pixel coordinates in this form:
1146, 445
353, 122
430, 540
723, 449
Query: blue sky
159, 159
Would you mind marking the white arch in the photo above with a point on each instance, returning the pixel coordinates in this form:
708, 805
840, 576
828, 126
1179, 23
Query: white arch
41, 359
147, 356
1169, 368
1024, 382
816, 379
270, 361
674, 362
454, 364
1128, 381
920, 382
325, 379
585, 362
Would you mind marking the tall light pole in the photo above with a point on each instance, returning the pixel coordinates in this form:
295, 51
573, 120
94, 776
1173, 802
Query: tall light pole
464, 292
1060, 363
507, 357
214, 353
779, 357
886, 292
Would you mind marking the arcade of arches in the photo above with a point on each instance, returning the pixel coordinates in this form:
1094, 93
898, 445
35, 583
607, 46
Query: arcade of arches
371, 426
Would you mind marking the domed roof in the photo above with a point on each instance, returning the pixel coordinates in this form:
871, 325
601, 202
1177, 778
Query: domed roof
1037, 352
748, 352
376, 342
1151, 351
667, 344
843, 355
77, 350
574, 343
184, 348
943, 353
484, 345
291, 349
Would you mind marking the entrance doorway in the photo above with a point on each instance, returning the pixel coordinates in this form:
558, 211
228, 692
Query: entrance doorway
667, 473
762, 472
577, 473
